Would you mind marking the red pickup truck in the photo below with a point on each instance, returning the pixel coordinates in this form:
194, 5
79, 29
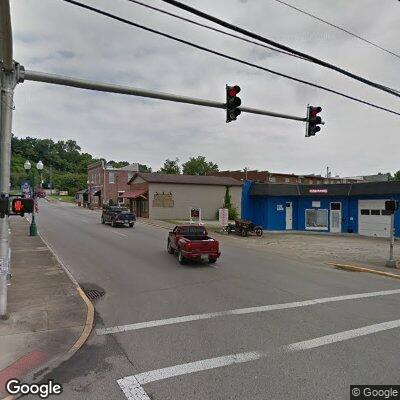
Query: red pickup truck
192, 242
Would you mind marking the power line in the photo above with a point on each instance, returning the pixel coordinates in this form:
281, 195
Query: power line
212, 28
123, 20
281, 46
338, 27
221, 31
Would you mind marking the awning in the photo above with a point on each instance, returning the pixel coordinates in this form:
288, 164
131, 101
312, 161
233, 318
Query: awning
133, 194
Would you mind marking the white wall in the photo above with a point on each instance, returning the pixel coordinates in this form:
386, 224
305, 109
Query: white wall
207, 197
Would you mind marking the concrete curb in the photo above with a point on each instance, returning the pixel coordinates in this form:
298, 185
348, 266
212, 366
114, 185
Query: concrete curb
40, 372
354, 268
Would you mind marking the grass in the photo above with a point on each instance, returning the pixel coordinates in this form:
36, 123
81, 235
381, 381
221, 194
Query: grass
66, 199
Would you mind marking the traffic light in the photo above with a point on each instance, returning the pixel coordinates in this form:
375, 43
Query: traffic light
21, 205
391, 205
3, 206
232, 103
313, 120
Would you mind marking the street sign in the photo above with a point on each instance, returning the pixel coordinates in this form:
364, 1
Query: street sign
26, 189
195, 215
223, 214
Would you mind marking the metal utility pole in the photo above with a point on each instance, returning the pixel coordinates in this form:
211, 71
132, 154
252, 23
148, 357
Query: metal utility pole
391, 262
7, 84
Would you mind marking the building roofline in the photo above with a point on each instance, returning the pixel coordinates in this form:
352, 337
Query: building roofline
181, 179
333, 189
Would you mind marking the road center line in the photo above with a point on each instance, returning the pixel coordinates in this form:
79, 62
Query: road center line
131, 385
120, 234
240, 311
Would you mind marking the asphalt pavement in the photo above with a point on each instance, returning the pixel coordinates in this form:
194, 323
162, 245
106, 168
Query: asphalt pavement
252, 326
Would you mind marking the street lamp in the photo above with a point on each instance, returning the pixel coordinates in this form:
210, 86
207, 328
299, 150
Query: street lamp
39, 167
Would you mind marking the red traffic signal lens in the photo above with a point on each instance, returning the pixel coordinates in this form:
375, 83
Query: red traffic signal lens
233, 90
314, 111
18, 206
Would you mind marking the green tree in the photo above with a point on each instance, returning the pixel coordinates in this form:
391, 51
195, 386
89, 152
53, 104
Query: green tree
144, 168
199, 166
118, 164
232, 212
171, 167
396, 176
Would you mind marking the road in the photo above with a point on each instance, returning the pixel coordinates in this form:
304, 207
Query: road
249, 329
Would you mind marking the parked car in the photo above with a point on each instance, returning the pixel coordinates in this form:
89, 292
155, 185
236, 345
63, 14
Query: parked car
244, 227
117, 216
191, 242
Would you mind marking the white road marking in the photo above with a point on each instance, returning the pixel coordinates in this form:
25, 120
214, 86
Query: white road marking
131, 384
132, 389
341, 336
240, 311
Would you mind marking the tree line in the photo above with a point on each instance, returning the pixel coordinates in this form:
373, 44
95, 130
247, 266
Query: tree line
65, 165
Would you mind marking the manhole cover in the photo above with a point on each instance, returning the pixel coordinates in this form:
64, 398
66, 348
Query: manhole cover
94, 294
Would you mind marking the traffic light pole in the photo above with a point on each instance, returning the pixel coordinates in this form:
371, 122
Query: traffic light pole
7, 85
33, 227
110, 88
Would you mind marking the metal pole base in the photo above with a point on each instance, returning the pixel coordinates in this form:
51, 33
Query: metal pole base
392, 264
33, 229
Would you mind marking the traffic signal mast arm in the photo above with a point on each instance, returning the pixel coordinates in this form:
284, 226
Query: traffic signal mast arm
110, 88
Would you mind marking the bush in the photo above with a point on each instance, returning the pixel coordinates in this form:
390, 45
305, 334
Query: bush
232, 213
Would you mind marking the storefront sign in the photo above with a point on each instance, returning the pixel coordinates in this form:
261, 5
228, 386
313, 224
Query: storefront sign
163, 200
223, 216
318, 191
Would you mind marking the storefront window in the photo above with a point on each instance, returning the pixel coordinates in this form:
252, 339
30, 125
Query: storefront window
317, 219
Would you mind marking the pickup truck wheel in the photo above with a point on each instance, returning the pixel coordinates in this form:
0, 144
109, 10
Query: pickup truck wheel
130, 224
259, 232
181, 259
113, 223
212, 260
169, 248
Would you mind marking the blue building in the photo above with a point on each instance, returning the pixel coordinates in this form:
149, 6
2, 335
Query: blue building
348, 207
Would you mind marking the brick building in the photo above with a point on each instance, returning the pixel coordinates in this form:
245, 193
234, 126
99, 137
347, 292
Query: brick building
277, 177
106, 183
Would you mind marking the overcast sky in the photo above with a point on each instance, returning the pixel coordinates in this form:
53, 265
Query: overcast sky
56, 37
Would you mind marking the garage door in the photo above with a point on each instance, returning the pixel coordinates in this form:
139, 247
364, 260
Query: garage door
372, 218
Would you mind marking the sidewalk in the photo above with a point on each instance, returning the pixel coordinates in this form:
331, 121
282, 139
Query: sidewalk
49, 316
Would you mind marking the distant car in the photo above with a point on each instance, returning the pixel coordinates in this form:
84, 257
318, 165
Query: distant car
191, 242
40, 193
117, 216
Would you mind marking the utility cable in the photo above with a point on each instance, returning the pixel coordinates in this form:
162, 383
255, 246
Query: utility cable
123, 20
212, 28
338, 27
256, 36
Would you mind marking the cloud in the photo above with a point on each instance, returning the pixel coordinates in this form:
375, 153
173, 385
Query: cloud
59, 38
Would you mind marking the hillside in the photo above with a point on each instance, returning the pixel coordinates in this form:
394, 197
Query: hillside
65, 165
